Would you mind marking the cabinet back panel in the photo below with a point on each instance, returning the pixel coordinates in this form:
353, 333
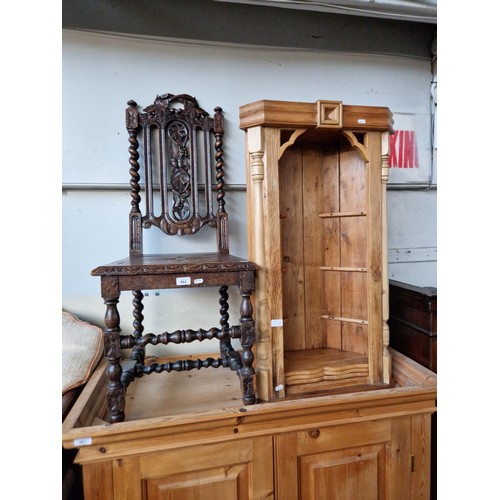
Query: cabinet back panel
331, 281
352, 181
292, 246
313, 189
354, 338
314, 182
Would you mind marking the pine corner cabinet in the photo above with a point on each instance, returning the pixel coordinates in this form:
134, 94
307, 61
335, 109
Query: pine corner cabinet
316, 183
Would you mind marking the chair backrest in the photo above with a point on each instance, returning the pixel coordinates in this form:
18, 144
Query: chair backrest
182, 169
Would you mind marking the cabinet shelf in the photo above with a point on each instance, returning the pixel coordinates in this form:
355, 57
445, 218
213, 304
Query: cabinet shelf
344, 269
346, 320
333, 215
325, 369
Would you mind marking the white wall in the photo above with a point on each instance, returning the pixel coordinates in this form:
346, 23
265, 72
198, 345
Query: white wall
102, 72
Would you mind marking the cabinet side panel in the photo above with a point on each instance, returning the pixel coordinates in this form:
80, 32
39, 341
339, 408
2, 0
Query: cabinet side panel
273, 252
374, 256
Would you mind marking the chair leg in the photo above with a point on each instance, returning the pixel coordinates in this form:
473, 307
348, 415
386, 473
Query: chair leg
247, 328
225, 344
115, 393
138, 353
133, 368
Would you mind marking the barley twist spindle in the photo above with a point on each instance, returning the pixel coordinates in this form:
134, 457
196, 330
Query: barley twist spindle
132, 120
138, 352
219, 162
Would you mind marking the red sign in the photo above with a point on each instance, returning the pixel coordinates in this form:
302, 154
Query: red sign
403, 152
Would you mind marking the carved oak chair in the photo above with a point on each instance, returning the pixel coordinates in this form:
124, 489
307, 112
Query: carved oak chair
181, 148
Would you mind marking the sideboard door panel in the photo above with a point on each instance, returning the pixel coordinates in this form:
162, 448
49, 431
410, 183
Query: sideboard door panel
374, 460
217, 482
239, 470
345, 474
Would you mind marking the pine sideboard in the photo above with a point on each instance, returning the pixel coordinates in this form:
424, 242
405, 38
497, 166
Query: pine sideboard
188, 436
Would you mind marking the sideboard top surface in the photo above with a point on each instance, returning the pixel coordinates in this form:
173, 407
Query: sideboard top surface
191, 419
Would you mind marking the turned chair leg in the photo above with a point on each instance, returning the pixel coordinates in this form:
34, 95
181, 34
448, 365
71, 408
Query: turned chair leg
115, 393
247, 328
226, 347
138, 353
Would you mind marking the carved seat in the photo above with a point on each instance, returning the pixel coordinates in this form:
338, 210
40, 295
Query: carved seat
182, 170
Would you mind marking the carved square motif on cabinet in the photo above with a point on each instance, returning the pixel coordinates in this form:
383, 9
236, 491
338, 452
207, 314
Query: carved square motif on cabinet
316, 177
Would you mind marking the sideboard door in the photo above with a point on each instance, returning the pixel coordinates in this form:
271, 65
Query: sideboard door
239, 470
372, 460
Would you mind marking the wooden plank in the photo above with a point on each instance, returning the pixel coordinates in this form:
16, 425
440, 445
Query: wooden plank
127, 477
374, 256
292, 247
156, 392
384, 170
313, 182
343, 436
399, 460
353, 248
421, 456
257, 253
91, 401
354, 337
408, 372
263, 467
331, 245
98, 480
185, 459
273, 253
285, 464
352, 181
